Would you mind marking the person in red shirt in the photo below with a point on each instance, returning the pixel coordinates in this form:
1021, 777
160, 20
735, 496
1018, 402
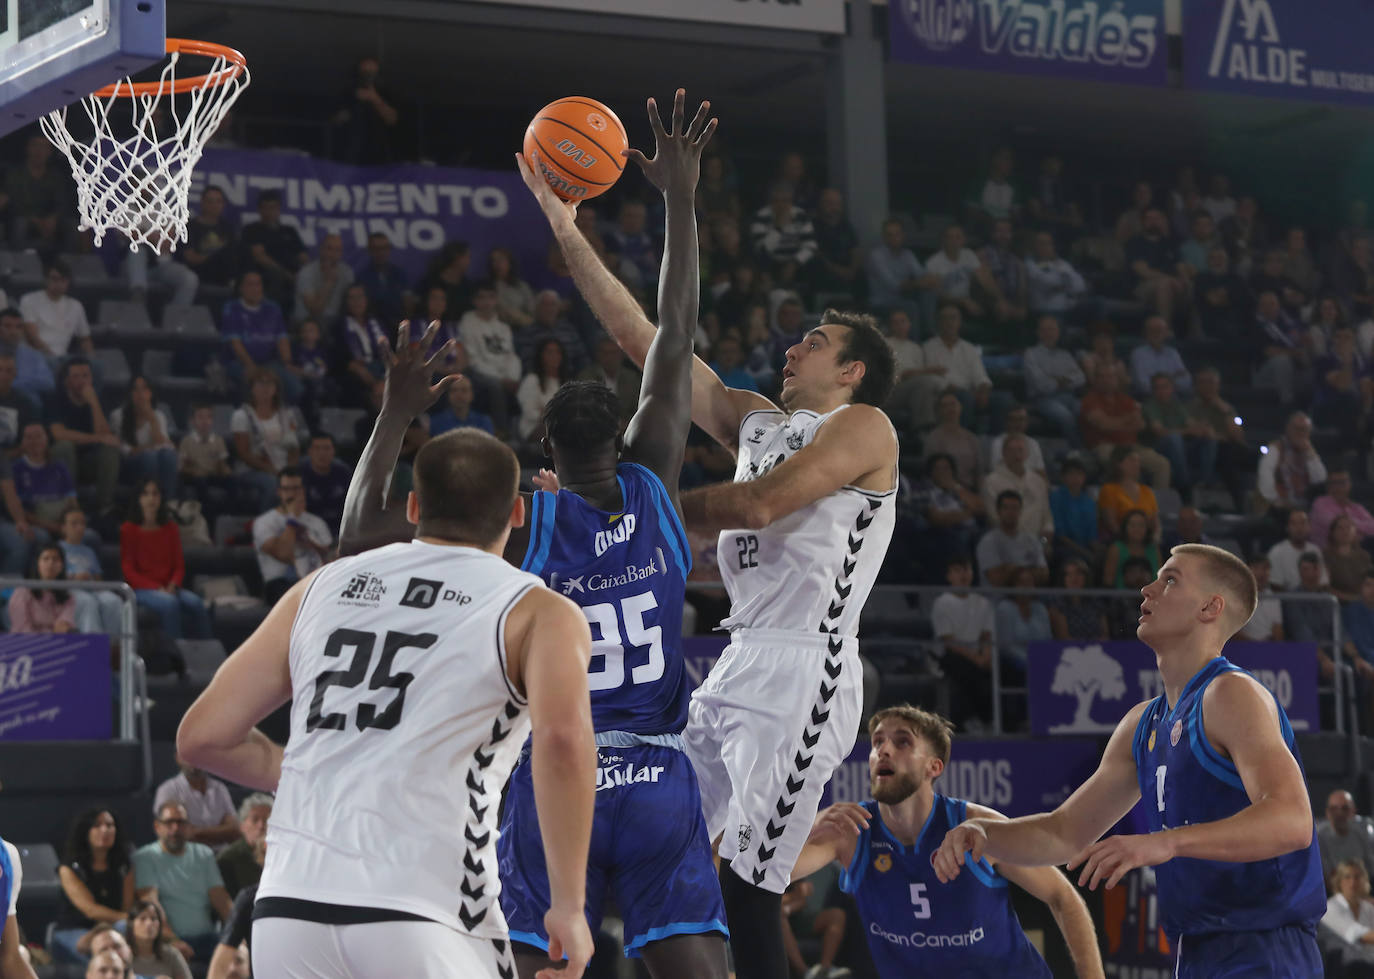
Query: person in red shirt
150, 554
1109, 417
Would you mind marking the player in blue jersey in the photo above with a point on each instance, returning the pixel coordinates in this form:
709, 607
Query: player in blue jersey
915, 924
13, 965
1231, 837
611, 539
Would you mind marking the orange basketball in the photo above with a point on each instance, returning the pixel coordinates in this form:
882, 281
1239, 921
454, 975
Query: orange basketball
579, 142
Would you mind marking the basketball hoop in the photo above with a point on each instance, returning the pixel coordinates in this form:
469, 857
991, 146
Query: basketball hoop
139, 184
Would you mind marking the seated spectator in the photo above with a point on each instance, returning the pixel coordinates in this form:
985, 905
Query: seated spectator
436, 310
104, 939
17, 408
1290, 466
549, 323
806, 911
1123, 614
1267, 622
494, 365
1101, 352
1074, 510
267, 435
458, 411
1357, 618
1352, 275
1188, 529
44, 609
188, 886
310, 365
1131, 221
838, 257
1051, 206
211, 249
1285, 365
1004, 549
153, 954
1111, 420
1076, 616
290, 542
160, 267
255, 331
273, 250
150, 554
53, 319
1192, 454
729, 364
96, 611
364, 338
367, 118
1350, 918
514, 298
43, 486
207, 804
538, 386
996, 197
1335, 503
959, 366
1155, 357
781, 236
321, 284
1213, 418
1021, 619
1344, 835
1344, 390
145, 440
203, 458
1161, 280
96, 886
911, 405
1221, 297
32, 372
1243, 233
1346, 561
1123, 492
1054, 287
947, 511
1193, 252
896, 278
957, 268
717, 191
240, 863
1018, 423
1219, 203
1286, 554
1013, 472
1326, 318
38, 193
383, 281
1306, 621
634, 253
739, 296
325, 478
1299, 267
449, 271
1053, 380
1008, 274
950, 438
961, 621
82, 439
1135, 540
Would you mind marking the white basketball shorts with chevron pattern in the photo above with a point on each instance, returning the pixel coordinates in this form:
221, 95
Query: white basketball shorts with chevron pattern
767, 728
289, 948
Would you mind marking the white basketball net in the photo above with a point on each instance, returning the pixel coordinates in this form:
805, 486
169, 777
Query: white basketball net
139, 185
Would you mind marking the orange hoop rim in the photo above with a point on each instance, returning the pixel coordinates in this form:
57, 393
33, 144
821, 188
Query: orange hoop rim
236, 66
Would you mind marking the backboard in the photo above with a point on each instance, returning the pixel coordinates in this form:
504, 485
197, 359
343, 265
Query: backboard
53, 52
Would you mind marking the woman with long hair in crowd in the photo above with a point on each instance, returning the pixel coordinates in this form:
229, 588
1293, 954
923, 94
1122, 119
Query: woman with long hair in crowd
95, 879
50, 609
539, 385
514, 298
1135, 539
1076, 616
267, 437
145, 437
1350, 918
154, 954
1346, 561
1124, 493
154, 566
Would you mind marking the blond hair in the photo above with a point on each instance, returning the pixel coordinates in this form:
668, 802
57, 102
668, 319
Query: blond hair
934, 729
1358, 868
1232, 577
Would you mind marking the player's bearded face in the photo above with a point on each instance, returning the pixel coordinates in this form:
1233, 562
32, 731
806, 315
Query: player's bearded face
893, 789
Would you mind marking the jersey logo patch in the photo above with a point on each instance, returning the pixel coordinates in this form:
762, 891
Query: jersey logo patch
1151, 746
746, 833
757, 437
571, 585
1176, 732
882, 863
363, 589
422, 593
795, 440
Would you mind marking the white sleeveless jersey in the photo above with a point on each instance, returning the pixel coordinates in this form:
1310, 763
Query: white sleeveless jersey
812, 570
404, 728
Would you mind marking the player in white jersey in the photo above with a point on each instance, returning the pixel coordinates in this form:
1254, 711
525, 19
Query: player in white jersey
415, 672
803, 531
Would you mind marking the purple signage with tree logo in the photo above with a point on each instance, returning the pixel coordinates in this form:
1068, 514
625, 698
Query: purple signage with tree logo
54, 687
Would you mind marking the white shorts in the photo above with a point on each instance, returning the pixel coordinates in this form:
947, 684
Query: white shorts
290, 948
765, 731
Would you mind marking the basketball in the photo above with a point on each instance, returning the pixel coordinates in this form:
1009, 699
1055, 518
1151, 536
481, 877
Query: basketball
579, 142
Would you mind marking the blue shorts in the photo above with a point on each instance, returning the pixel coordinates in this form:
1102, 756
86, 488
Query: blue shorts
1289, 952
649, 851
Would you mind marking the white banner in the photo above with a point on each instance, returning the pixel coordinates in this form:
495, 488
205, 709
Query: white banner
821, 16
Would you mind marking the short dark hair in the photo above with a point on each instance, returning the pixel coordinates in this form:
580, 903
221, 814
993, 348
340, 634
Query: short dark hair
935, 457
1008, 494
11, 311
866, 344
932, 728
582, 416
1072, 463
484, 285
323, 435
466, 481
216, 188
288, 472
958, 560
58, 266
268, 196
1307, 557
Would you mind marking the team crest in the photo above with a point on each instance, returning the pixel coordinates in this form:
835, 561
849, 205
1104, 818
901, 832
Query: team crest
1151, 746
795, 440
758, 435
882, 863
745, 835
1176, 732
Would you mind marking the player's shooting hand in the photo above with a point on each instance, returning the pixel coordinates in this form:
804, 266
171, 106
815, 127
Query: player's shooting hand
560, 213
1109, 860
967, 838
408, 390
546, 480
569, 938
842, 822
676, 165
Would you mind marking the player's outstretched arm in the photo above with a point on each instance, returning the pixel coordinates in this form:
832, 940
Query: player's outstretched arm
1242, 721
657, 434
12, 962
219, 732
369, 519
716, 408
1053, 838
851, 446
548, 647
833, 838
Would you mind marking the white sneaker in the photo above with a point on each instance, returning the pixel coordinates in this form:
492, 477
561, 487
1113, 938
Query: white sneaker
827, 972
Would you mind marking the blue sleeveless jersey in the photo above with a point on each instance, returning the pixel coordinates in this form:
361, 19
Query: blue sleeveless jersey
965, 929
628, 571
1184, 780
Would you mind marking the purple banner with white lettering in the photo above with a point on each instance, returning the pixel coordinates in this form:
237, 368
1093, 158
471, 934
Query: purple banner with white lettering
1294, 49
1086, 688
54, 687
1119, 41
418, 207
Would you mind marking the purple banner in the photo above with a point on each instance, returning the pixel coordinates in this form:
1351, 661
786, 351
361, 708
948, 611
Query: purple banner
1293, 49
417, 207
1120, 41
1086, 688
54, 687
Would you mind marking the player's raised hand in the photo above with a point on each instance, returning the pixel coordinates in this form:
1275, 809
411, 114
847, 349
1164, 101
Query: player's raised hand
556, 209
676, 165
569, 938
968, 838
546, 480
409, 371
1107, 861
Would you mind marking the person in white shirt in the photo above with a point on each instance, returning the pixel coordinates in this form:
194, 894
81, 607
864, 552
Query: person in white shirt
957, 268
1284, 556
1267, 622
1053, 380
958, 365
490, 347
321, 284
1290, 465
1018, 421
962, 622
539, 385
214, 821
290, 542
1013, 472
896, 278
1350, 917
1053, 285
53, 319
911, 406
